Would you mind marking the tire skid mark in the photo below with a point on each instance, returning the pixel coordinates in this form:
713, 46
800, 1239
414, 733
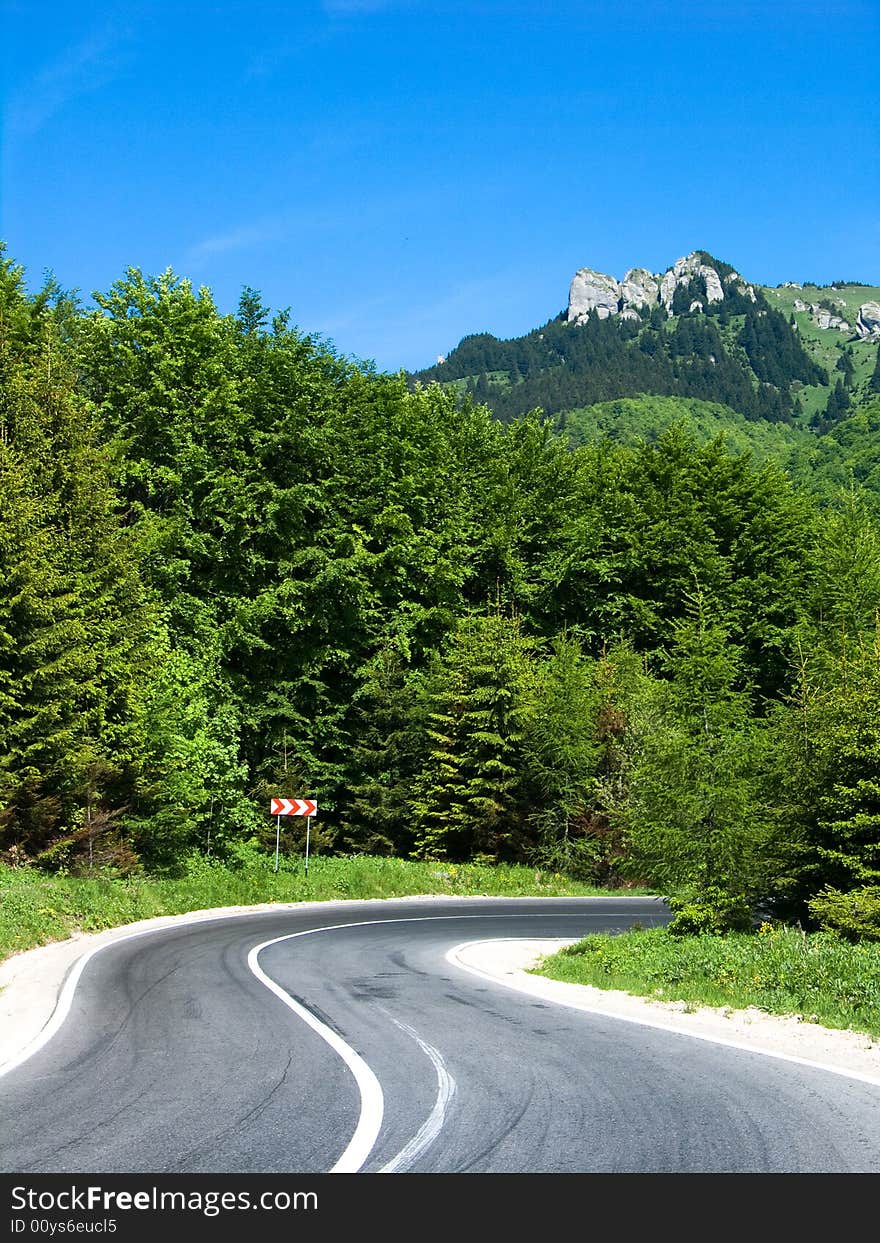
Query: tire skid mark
433, 1124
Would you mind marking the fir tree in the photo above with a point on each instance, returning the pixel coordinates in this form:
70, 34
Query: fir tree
466, 798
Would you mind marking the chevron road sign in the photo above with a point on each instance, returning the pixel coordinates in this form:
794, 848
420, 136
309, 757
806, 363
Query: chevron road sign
293, 807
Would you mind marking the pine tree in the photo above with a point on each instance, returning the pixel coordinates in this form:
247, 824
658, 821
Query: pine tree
826, 772
36, 683
844, 581
77, 620
560, 757
874, 382
376, 814
466, 797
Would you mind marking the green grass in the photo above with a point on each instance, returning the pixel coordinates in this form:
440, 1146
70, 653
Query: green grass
628, 420
780, 970
37, 907
825, 345
853, 296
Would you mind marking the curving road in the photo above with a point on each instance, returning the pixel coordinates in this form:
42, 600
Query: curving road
342, 1038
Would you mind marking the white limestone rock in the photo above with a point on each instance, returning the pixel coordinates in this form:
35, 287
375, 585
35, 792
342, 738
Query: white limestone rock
592, 291
639, 287
825, 320
747, 291
687, 265
668, 284
868, 322
683, 272
714, 291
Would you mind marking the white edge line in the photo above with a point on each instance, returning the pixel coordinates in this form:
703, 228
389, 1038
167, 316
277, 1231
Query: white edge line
65, 996
368, 1092
64, 1000
522, 987
372, 1102
68, 988
433, 1124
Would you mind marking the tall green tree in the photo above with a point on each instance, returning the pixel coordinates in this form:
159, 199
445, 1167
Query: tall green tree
825, 778
693, 817
844, 581
649, 522
467, 797
388, 742
561, 750
78, 623
193, 788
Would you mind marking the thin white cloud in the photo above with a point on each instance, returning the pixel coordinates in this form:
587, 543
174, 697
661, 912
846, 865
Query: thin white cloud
81, 69
421, 318
242, 238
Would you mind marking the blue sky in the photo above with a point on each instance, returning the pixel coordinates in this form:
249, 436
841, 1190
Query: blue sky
400, 173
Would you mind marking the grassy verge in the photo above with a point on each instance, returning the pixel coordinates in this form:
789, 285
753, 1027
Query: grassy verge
36, 907
817, 976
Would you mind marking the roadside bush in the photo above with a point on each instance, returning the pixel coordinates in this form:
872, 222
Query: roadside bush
712, 910
854, 915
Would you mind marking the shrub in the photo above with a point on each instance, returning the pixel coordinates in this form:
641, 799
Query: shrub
711, 910
854, 915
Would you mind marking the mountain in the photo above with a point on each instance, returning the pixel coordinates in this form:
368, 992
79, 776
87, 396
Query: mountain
797, 354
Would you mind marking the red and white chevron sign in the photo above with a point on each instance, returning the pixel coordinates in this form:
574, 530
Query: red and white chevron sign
293, 807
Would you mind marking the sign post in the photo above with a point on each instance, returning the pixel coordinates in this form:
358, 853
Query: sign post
292, 807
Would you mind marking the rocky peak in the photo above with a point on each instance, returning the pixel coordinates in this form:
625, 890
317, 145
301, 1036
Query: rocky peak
597, 291
639, 288
683, 271
592, 291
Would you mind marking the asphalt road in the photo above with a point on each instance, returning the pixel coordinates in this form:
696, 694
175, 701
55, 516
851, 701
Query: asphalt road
350, 1042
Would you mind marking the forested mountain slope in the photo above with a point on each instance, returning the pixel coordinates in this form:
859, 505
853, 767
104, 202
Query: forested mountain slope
235, 564
795, 353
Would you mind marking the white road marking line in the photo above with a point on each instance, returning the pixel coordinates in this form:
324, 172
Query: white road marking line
433, 1124
372, 1102
661, 1025
65, 996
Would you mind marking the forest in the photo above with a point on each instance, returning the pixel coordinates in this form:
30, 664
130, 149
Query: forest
236, 564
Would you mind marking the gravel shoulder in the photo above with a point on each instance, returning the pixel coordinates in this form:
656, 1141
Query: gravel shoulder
30, 983
511, 962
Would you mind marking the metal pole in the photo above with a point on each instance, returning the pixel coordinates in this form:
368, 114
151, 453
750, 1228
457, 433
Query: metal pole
308, 827
277, 839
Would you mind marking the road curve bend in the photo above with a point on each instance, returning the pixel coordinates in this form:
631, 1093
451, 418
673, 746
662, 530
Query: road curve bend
340, 1038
